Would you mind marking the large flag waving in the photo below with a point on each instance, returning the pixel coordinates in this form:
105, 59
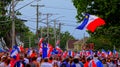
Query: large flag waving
44, 49
91, 22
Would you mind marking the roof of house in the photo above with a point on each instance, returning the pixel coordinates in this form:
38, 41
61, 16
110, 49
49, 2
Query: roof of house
81, 41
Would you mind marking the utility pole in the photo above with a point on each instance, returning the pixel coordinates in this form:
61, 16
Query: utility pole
29, 42
83, 41
55, 31
48, 14
59, 30
41, 32
47, 23
47, 27
13, 24
37, 18
37, 15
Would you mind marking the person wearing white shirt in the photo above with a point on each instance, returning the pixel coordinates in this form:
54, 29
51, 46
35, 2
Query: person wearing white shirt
38, 59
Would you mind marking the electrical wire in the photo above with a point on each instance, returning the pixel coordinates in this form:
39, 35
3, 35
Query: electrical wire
25, 5
59, 8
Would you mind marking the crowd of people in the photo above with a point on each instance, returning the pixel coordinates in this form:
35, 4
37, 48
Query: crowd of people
22, 59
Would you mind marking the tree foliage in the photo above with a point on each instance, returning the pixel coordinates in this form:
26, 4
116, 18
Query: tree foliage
22, 30
6, 23
108, 10
63, 36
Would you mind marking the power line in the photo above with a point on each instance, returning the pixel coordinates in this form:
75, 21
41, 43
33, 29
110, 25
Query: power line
26, 5
32, 28
68, 20
64, 24
60, 8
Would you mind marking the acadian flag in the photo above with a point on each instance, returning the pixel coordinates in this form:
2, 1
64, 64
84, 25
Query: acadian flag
58, 49
40, 41
14, 53
45, 49
70, 53
110, 53
115, 53
19, 48
104, 53
91, 22
29, 52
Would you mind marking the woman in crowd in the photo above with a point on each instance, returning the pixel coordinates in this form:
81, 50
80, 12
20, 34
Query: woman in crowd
118, 62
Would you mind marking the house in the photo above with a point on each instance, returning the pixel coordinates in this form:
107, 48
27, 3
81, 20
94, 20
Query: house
70, 44
80, 44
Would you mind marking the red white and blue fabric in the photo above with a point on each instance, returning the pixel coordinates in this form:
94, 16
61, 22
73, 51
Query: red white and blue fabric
19, 64
13, 62
104, 53
45, 49
59, 49
40, 41
99, 53
83, 53
88, 53
110, 53
29, 53
49, 51
19, 48
14, 54
91, 22
115, 53
70, 53
64, 54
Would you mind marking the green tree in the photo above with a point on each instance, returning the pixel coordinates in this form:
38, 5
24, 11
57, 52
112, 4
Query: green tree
64, 36
6, 23
109, 11
28, 39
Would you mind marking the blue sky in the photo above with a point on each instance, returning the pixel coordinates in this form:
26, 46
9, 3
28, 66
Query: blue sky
63, 9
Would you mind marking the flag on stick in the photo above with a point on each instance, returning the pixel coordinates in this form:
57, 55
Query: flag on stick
91, 22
